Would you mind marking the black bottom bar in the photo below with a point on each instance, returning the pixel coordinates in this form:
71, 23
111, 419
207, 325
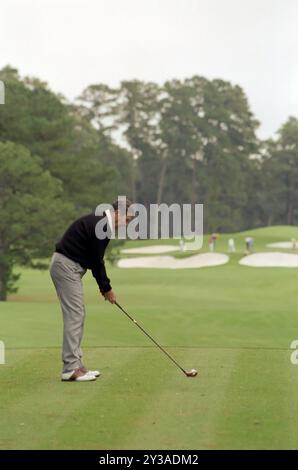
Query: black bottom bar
136, 458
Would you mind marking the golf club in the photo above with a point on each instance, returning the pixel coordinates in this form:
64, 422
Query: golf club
191, 373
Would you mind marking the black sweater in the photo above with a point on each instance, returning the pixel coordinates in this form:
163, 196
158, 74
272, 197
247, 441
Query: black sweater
80, 244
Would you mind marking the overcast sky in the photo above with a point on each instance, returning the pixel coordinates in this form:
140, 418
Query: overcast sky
73, 43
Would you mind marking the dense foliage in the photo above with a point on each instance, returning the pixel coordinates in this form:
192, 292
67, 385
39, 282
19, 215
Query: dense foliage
184, 141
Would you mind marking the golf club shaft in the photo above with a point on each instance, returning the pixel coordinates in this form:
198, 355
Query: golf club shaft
150, 337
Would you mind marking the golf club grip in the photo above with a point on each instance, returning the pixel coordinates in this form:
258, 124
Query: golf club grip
150, 337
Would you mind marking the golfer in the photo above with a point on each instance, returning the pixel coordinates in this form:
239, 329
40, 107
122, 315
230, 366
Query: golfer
78, 250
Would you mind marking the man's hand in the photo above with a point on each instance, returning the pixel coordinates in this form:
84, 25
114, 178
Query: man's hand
110, 296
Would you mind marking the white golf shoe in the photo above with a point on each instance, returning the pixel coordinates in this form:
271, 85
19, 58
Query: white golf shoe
77, 375
96, 373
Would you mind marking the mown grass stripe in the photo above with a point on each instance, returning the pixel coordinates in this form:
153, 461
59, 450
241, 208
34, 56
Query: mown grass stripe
260, 408
186, 408
37, 403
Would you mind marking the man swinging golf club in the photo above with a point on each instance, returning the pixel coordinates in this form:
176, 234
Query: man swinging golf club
78, 250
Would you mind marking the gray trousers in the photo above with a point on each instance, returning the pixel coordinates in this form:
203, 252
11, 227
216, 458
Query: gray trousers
67, 278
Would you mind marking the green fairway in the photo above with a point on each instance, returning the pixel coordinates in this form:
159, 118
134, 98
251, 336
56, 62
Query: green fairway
233, 323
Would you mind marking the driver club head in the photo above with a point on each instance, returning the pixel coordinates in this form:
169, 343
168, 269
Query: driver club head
191, 373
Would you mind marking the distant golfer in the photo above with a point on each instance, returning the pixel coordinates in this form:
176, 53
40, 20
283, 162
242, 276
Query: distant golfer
249, 243
78, 250
182, 245
231, 245
212, 241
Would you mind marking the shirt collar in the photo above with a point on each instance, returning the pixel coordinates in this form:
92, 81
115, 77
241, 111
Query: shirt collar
109, 219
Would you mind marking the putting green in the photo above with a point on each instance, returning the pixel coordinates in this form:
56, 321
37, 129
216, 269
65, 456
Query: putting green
232, 323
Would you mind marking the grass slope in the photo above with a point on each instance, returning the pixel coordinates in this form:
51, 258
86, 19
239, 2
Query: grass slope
262, 237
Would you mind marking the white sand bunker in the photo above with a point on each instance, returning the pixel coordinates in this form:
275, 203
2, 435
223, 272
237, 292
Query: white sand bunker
148, 250
288, 245
169, 262
272, 260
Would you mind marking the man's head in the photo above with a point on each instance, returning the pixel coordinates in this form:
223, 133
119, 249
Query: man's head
121, 215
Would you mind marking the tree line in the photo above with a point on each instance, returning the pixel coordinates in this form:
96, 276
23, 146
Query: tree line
191, 140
